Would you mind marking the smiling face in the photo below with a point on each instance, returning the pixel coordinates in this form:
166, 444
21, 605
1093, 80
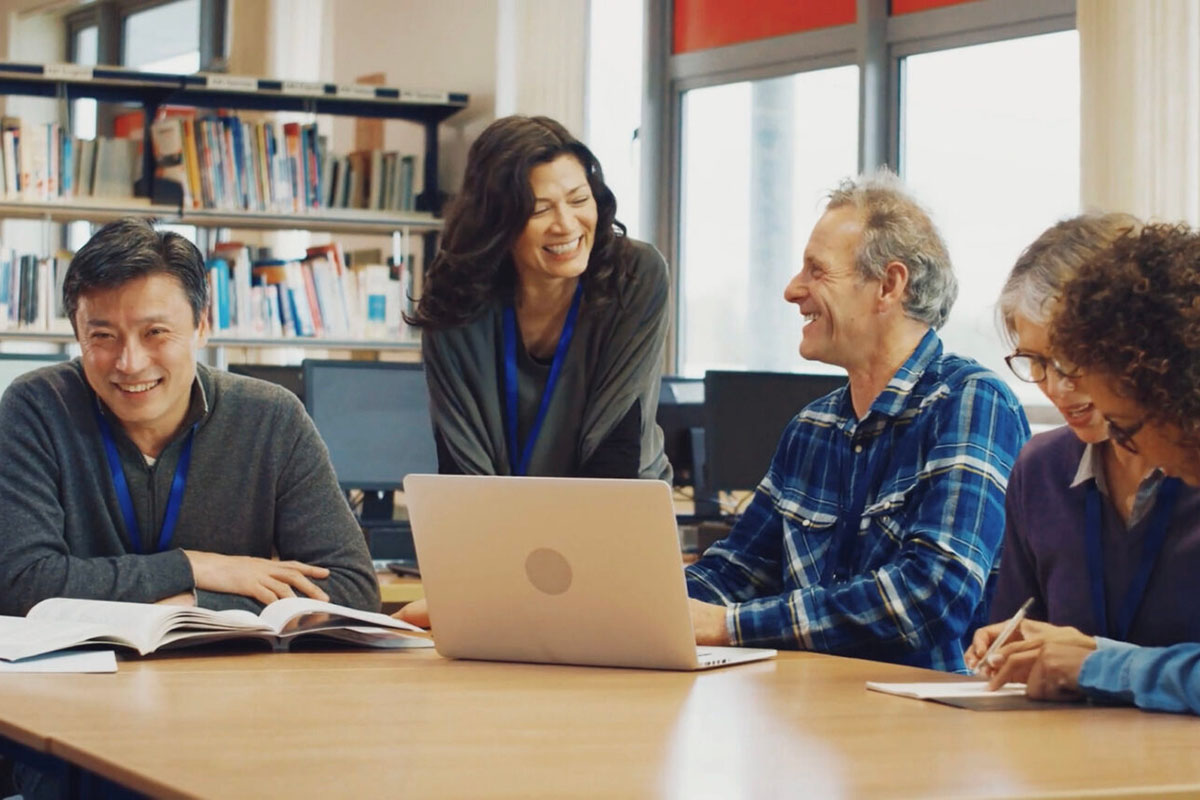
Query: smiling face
139, 344
1161, 445
1076, 406
557, 239
838, 305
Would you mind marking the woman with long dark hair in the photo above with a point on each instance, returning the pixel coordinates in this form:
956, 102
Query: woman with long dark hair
543, 324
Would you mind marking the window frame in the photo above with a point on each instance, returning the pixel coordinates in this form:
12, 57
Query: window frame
109, 17
877, 42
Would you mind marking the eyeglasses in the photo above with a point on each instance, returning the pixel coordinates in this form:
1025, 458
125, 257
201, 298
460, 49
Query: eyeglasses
1031, 368
1123, 436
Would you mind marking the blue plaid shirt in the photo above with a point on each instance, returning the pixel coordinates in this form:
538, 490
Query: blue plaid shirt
908, 577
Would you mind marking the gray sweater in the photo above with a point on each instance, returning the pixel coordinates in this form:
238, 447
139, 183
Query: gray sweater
614, 363
260, 484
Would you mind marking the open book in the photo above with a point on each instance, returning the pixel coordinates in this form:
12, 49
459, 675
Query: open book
60, 623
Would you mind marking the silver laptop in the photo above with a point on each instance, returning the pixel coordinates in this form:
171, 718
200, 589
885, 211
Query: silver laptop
556, 571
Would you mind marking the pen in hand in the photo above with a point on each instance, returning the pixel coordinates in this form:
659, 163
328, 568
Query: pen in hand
1005, 632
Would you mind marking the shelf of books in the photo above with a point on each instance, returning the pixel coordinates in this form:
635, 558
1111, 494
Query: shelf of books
99, 210
66, 337
201, 151
331, 220
256, 300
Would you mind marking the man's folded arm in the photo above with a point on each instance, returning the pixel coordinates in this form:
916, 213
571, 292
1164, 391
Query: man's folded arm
314, 524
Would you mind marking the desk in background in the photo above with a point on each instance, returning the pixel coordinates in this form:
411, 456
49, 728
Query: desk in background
362, 724
395, 591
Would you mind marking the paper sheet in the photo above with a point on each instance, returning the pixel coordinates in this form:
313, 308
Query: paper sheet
65, 661
933, 691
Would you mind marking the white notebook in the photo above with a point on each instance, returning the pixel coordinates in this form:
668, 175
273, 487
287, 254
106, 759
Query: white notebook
947, 689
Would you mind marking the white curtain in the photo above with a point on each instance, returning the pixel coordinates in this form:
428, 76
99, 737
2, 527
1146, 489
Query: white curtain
541, 59
1140, 112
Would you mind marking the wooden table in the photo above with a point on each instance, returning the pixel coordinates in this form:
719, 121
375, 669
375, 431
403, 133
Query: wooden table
395, 591
357, 724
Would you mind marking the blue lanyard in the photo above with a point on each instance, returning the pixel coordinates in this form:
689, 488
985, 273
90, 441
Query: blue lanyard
521, 466
1156, 534
178, 483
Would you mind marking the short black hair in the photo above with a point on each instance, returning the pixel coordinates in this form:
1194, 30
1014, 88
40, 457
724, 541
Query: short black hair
130, 248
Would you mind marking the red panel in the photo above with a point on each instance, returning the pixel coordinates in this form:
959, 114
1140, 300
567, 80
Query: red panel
701, 24
909, 6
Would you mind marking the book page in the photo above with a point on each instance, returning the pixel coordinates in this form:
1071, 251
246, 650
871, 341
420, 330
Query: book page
69, 661
281, 613
144, 626
365, 636
21, 637
138, 625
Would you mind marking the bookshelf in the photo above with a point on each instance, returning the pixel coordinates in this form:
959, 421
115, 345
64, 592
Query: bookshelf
163, 200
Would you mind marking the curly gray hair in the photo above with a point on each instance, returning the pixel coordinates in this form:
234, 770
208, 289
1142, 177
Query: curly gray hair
897, 228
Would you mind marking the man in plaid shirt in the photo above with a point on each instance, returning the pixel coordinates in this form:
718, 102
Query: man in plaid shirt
877, 527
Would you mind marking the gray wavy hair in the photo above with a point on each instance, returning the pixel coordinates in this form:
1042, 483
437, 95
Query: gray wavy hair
1048, 263
897, 228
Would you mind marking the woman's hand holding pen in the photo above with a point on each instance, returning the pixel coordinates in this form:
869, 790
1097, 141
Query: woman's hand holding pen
1030, 636
1049, 670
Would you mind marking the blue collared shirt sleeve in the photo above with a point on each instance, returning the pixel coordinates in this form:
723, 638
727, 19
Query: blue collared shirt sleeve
922, 600
746, 564
1153, 678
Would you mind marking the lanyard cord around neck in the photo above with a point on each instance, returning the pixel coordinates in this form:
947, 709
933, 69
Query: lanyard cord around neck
125, 498
518, 458
1156, 534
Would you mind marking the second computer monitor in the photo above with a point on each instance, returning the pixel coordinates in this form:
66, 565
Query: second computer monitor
14, 365
745, 414
680, 415
374, 418
290, 378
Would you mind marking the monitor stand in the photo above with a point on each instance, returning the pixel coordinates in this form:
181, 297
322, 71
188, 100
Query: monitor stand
377, 507
705, 505
388, 539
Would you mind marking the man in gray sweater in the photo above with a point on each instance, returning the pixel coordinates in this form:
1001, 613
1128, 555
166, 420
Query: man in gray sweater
134, 473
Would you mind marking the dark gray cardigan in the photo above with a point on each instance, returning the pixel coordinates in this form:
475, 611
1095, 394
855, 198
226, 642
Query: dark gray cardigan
260, 484
614, 363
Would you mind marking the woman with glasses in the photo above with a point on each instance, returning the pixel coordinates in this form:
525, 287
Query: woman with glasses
1129, 320
1104, 543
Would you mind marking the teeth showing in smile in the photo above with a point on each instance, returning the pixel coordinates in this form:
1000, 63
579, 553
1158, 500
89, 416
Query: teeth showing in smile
135, 388
563, 249
1078, 412
810, 316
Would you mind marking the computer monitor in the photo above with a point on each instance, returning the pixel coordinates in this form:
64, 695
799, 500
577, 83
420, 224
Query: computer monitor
374, 418
745, 414
681, 417
15, 364
290, 378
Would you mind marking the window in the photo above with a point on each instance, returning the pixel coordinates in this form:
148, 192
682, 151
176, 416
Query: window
174, 36
613, 111
758, 158
974, 102
991, 144
164, 38
85, 49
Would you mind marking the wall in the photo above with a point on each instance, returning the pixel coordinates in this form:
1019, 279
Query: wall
447, 45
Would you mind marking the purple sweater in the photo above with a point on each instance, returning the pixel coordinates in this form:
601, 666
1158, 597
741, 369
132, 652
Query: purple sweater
1044, 554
